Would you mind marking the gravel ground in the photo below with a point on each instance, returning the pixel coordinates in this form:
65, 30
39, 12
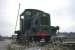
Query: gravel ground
3, 44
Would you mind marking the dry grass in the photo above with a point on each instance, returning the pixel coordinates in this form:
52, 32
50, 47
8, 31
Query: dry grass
10, 47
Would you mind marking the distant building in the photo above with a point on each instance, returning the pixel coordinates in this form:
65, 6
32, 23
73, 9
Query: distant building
66, 34
1, 38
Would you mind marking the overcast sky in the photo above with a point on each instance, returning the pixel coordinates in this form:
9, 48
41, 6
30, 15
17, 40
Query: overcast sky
62, 13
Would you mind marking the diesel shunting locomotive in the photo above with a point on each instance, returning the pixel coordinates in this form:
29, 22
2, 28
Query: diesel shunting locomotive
35, 25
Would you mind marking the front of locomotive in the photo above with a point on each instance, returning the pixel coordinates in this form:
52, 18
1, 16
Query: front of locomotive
39, 24
44, 28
